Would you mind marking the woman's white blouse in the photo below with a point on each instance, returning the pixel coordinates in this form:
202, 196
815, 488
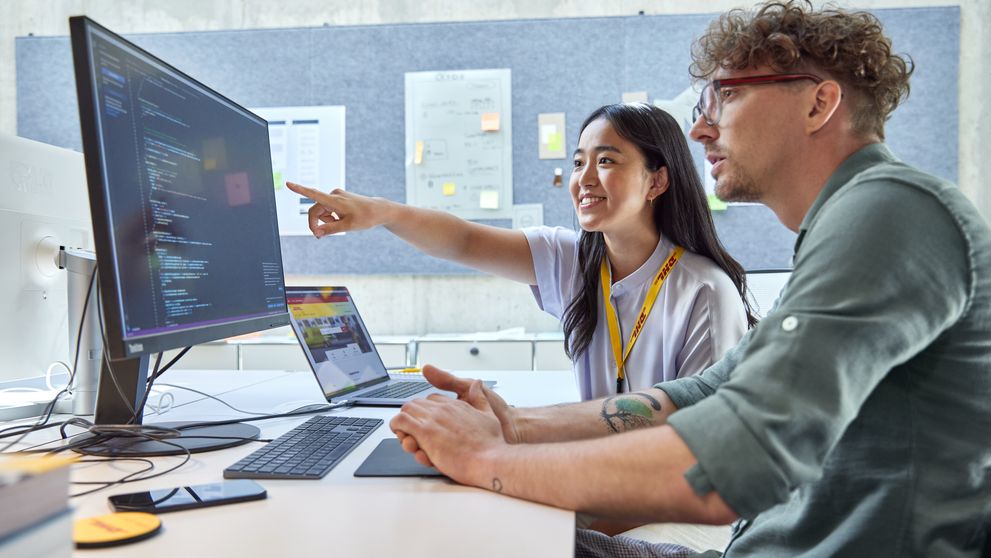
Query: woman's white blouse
697, 317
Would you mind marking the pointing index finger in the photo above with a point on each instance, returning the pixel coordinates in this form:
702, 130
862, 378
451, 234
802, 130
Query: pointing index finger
304, 191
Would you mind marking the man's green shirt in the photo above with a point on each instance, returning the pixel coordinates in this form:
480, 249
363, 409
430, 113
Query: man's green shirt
855, 419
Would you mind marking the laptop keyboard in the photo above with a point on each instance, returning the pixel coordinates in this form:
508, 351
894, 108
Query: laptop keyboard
398, 390
308, 451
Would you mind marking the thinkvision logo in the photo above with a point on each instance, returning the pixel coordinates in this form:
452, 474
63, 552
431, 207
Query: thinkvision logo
31, 180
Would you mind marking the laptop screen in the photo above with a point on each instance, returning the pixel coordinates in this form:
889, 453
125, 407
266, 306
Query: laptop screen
334, 338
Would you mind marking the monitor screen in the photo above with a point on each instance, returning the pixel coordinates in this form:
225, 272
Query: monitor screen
182, 197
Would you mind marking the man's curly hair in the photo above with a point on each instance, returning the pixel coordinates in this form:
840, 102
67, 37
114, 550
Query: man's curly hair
790, 36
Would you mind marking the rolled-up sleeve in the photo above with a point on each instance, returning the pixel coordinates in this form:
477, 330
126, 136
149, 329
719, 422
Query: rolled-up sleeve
689, 390
553, 253
874, 284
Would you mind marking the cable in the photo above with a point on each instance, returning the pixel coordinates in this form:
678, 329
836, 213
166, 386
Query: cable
340, 405
154, 374
144, 506
106, 357
47, 412
6, 434
160, 408
129, 477
169, 365
42, 423
48, 374
214, 398
151, 465
107, 484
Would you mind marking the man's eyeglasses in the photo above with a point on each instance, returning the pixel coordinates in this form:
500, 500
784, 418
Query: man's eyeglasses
710, 105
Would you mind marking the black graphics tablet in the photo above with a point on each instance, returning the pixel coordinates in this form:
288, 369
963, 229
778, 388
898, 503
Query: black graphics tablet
389, 460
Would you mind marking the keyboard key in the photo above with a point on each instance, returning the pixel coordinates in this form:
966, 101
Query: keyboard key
398, 390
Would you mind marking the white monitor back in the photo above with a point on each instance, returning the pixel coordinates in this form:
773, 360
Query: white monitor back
765, 286
44, 204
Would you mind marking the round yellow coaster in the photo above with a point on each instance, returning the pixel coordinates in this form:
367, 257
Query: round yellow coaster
114, 529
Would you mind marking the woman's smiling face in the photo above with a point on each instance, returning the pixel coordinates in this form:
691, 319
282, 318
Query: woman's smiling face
610, 187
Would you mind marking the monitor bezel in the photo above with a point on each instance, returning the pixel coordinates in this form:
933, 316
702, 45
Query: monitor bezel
119, 345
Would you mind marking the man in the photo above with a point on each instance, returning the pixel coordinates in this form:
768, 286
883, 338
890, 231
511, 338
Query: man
856, 418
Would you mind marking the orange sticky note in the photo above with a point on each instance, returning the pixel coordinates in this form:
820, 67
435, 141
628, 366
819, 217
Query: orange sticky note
490, 121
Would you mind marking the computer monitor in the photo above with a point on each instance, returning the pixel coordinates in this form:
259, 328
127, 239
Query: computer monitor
43, 206
184, 220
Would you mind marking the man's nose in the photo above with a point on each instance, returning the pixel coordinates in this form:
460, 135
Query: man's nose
701, 131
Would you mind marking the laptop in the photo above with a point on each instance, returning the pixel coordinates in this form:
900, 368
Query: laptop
340, 350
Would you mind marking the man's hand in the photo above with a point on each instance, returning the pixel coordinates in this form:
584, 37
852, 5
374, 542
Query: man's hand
475, 394
481, 398
450, 434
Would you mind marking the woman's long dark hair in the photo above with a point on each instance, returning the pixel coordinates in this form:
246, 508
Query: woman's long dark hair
681, 214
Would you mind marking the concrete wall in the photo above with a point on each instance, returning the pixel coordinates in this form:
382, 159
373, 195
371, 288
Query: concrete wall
418, 305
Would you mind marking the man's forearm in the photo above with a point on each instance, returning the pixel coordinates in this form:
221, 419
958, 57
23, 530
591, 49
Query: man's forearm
592, 419
633, 476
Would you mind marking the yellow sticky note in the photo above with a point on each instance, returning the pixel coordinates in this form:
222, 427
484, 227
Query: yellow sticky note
449, 188
418, 157
716, 204
554, 141
279, 184
490, 121
489, 199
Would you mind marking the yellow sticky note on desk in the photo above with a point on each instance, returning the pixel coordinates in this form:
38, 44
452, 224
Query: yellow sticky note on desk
490, 121
489, 199
418, 156
449, 188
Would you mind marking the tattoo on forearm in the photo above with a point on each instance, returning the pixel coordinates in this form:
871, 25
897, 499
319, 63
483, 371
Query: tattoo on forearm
496, 485
629, 411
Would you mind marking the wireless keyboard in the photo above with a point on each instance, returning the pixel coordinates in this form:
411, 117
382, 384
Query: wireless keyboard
308, 451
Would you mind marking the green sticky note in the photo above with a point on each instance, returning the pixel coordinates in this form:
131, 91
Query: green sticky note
554, 142
716, 204
279, 183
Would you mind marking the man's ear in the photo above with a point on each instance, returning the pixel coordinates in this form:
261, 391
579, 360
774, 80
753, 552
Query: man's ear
828, 95
658, 183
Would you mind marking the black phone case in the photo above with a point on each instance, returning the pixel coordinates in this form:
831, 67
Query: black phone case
118, 505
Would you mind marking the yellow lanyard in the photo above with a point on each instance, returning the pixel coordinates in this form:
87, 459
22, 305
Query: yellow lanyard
605, 278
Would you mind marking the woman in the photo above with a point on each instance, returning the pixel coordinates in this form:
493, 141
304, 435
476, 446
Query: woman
645, 223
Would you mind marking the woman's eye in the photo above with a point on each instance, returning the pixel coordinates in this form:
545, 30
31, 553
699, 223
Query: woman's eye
725, 93
605, 161
578, 164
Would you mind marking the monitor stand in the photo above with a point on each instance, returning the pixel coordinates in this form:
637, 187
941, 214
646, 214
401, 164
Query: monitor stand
192, 440
123, 390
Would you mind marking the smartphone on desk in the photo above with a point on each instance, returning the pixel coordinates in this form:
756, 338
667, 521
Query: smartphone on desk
189, 497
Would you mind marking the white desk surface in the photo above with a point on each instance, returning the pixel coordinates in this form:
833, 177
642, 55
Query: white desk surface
339, 515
